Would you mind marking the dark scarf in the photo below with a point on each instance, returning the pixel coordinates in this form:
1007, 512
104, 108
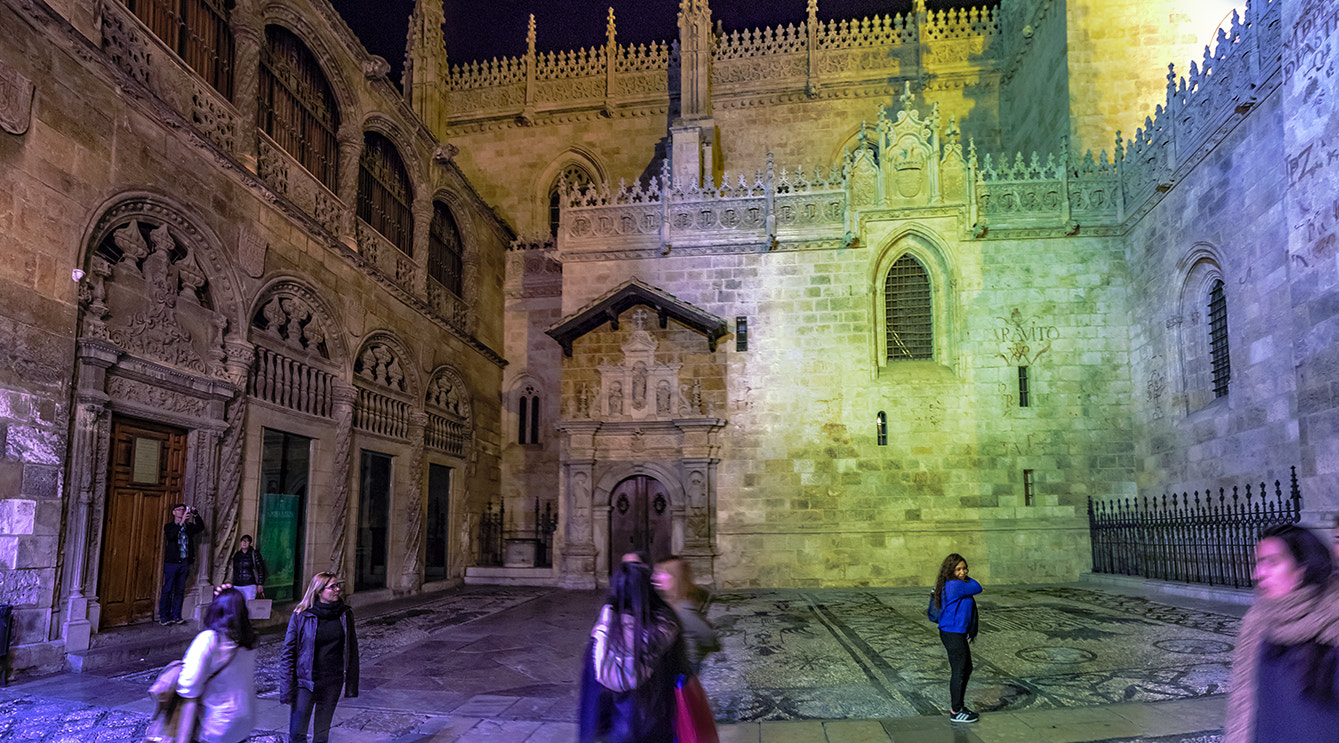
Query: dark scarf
328, 659
1307, 614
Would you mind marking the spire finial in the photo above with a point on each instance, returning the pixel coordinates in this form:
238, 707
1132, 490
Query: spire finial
530, 34
609, 29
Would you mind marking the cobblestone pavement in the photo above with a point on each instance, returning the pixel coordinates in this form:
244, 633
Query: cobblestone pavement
499, 663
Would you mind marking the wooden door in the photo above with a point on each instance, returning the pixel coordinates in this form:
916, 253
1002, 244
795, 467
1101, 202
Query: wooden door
147, 461
639, 519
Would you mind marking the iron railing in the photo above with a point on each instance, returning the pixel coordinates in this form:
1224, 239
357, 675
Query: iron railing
545, 524
490, 535
1190, 537
493, 537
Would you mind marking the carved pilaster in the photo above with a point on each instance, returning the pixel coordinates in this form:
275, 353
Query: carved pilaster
344, 396
578, 553
88, 455
229, 486
422, 213
202, 490
411, 573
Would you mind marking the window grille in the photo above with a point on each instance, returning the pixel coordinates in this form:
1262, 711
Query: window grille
1029, 488
198, 31
572, 175
881, 428
297, 107
908, 311
741, 334
384, 193
445, 250
1222, 369
1023, 398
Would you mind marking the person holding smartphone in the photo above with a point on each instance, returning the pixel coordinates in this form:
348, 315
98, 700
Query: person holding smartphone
178, 554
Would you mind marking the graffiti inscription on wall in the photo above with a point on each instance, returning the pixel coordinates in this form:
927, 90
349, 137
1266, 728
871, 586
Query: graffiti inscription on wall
1023, 341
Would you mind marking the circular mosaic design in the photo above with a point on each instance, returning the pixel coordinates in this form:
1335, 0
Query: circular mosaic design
1055, 655
1191, 646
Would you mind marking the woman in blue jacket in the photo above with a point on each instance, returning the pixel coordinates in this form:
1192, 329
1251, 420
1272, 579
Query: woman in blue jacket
957, 627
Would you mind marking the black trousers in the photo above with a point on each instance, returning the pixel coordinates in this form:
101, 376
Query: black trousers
322, 702
960, 666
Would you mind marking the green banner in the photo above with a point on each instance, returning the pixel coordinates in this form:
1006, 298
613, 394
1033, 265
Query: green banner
278, 543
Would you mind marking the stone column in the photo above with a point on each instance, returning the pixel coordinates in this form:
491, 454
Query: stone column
202, 469
344, 396
350, 138
88, 450
411, 570
248, 32
421, 211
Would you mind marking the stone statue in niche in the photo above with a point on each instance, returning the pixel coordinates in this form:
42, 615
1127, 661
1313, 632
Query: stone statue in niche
639, 385
583, 402
616, 398
663, 398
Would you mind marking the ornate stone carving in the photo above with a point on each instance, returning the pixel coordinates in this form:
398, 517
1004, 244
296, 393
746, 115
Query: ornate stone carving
251, 247
379, 365
156, 398
16, 100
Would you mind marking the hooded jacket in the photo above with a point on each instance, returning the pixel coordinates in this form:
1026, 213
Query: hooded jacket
299, 655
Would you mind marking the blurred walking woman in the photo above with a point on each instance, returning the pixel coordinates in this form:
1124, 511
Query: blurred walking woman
957, 627
1285, 668
320, 658
219, 673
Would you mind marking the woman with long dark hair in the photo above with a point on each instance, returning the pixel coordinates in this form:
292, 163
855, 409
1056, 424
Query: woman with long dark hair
219, 673
953, 597
1285, 667
634, 657
320, 658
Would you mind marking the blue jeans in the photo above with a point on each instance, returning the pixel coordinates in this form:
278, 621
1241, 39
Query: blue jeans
175, 575
322, 702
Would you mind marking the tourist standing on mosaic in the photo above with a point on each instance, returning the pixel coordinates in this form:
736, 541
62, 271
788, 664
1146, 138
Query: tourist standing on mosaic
248, 570
673, 577
1285, 667
320, 658
178, 553
219, 673
957, 628
632, 661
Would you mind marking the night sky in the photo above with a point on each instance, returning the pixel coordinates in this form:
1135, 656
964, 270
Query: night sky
496, 28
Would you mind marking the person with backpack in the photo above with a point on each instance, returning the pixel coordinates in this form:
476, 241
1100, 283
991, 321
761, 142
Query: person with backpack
957, 618
634, 657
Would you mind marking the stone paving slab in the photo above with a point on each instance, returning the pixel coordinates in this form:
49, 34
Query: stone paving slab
1055, 664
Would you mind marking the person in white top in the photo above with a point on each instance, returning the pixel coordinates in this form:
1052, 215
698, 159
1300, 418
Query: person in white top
218, 675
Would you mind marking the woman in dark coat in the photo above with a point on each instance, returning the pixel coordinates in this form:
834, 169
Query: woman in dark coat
632, 661
1285, 667
320, 658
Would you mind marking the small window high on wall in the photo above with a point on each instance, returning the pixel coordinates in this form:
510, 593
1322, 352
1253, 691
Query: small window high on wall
908, 311
1218, 355
384, 193
527, 417
572, 176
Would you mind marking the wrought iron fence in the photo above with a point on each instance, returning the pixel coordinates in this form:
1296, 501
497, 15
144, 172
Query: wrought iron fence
490, 536
1191, 538
493, 538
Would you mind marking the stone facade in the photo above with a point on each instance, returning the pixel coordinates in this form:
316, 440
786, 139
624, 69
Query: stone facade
174, 267
995, 149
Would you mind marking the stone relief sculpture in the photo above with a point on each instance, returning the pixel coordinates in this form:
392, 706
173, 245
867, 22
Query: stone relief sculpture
663, 398
615, 398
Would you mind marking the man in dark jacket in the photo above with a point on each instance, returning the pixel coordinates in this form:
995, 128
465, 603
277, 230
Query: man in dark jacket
178, 554
248, 570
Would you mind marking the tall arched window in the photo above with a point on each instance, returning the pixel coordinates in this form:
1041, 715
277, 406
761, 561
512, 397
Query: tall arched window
572, 175
908, 311
297, 108
445, 249
384, 194
527, 417
1221, 368
198, 31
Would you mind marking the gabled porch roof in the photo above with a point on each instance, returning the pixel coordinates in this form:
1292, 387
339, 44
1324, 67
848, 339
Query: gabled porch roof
606, 309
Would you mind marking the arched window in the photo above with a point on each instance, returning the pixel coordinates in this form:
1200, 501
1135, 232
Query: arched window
445, 250
384, 193
198, 31
297, 108
1221, 368
527, 417
572, 175
908, 311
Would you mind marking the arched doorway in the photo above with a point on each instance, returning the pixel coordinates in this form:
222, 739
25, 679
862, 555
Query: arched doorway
639, 519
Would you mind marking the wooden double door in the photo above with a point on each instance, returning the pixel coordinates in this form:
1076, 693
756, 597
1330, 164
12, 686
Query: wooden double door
639, 519
145, 480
